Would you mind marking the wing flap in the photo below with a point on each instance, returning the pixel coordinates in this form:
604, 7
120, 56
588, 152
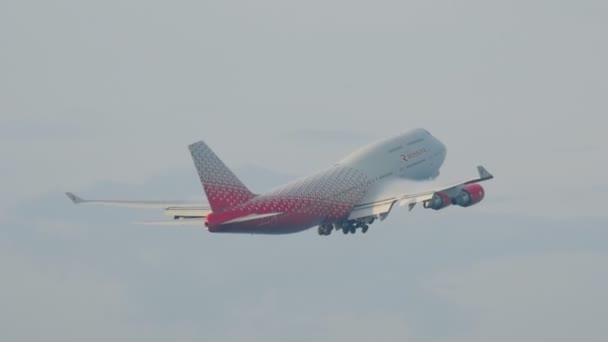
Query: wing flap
372, 209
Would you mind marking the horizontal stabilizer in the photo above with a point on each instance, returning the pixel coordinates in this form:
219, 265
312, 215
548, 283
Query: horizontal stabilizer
251, 217
181, 222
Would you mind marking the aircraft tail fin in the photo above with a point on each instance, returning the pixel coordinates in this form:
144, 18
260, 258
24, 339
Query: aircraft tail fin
222, 187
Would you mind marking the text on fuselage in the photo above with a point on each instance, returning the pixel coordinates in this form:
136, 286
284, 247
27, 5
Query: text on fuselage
414, 154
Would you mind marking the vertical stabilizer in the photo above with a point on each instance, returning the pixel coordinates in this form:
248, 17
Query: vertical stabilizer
222, 187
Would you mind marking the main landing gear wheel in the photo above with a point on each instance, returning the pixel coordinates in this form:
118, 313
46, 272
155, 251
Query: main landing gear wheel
364, 228
325, 229
353, 229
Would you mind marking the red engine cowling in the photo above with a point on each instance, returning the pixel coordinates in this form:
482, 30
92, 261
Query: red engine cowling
470, 195
438, 201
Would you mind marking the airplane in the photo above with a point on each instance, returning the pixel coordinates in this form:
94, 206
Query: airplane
352, 194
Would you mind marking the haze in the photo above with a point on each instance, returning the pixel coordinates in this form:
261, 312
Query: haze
102, 98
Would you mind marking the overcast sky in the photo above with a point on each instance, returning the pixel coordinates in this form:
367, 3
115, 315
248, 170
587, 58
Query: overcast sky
102, 98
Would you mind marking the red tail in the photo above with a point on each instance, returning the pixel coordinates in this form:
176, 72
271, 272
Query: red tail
222, 187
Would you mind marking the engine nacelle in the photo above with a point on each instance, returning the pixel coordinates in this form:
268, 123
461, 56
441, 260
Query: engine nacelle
469, 195
439, 201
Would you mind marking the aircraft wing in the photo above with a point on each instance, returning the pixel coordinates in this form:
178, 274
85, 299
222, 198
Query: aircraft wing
177, 209
382, 207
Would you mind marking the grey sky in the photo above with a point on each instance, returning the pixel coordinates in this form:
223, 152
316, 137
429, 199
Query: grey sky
103, 97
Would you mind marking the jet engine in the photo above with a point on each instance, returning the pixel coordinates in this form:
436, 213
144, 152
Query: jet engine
439, 201
469, 195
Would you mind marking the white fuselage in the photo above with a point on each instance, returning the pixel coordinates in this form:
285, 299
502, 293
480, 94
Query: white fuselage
415, 155
330, 195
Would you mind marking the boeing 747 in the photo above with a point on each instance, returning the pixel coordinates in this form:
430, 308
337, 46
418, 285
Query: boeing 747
350, 195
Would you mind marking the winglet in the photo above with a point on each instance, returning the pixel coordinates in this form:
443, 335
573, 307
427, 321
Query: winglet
75, 199
483, 173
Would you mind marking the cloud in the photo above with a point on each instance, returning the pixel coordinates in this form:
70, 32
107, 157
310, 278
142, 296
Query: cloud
42, 299
325, 80
415, 276
367, 326
269, 318
327, 135
150, 293
42, 131
544, 297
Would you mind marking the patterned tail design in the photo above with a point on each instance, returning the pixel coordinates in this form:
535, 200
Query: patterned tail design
222, 187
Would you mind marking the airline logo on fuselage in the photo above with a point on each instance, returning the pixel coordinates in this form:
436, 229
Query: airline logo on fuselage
407, 157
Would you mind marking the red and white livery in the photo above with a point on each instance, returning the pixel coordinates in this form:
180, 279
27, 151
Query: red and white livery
350, 195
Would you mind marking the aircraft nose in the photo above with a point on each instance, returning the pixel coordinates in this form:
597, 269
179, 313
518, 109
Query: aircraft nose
442, 149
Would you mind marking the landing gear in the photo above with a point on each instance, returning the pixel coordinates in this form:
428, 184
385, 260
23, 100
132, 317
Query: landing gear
349, 226
325, 229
